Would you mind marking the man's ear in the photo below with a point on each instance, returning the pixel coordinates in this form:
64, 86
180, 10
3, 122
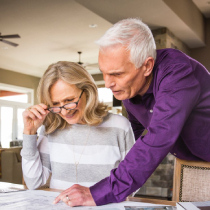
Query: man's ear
148, 64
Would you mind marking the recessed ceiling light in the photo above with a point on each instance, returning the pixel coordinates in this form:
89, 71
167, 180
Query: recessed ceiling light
93, 25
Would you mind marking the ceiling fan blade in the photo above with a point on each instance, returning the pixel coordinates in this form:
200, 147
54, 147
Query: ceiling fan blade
10, 36
10, 43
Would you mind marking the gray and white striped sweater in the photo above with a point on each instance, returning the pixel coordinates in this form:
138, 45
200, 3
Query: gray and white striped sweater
106, 146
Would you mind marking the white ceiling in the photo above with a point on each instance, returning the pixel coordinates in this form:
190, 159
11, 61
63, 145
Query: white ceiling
50, 30
53, 30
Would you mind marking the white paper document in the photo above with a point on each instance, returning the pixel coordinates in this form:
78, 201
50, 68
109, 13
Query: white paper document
39, 199
193, 205
186, 205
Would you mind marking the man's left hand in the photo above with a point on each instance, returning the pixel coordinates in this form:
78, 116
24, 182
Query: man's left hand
76, 195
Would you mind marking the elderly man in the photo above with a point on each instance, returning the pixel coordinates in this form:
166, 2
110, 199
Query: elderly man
163, 91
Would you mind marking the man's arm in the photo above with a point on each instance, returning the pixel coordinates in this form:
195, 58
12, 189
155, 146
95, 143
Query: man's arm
177, 95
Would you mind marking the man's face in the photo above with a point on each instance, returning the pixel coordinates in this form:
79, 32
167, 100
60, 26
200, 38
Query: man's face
120, 75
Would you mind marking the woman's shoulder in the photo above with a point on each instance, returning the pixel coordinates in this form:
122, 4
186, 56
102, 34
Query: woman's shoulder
116, 117
116, 120
42, 131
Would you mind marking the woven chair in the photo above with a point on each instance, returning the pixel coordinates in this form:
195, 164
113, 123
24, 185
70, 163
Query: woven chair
191, 181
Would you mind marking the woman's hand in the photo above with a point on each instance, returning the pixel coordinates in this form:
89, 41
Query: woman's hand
33, 118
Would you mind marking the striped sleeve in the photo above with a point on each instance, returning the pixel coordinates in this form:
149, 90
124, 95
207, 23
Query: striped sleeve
35, 160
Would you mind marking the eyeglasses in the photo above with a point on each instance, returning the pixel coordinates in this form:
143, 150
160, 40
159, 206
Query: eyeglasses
69, 106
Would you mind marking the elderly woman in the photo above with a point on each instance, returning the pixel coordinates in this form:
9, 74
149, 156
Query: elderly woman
79, 141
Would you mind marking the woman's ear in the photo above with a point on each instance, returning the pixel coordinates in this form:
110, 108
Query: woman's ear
149, 64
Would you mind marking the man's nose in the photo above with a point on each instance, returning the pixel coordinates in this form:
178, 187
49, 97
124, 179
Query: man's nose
109, 82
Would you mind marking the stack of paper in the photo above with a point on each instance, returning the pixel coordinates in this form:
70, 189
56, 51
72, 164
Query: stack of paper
193, 205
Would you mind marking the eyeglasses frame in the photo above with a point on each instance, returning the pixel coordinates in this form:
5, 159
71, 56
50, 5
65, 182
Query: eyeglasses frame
63, 107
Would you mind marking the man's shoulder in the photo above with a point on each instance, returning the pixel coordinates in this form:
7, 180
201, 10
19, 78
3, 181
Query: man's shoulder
171, 56
171, 62
170, 51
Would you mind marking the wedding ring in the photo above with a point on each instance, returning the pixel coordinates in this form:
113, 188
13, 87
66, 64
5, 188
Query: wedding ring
67, 197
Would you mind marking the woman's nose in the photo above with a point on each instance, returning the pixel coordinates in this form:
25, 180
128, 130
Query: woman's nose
64, 111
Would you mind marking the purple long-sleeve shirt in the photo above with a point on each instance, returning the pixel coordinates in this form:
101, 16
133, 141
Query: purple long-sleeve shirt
176, 112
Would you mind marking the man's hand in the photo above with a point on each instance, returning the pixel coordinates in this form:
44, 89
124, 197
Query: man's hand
76, 195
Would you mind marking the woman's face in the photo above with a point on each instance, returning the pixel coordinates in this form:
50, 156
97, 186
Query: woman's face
63, 93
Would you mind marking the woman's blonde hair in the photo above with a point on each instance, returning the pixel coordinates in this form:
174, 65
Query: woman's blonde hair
73, 74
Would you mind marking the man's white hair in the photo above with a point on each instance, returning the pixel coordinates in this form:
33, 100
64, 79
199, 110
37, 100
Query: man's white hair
135, 35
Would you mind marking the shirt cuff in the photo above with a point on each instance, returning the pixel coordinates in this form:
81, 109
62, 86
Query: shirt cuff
29, 145
102, 193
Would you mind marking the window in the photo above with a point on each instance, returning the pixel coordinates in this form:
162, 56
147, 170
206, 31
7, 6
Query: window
106, 95
13, 101
6, 125
13, 96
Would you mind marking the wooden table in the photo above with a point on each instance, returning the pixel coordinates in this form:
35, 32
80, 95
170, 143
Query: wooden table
135, 199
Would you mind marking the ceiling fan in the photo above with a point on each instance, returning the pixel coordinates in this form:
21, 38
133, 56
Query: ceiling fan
79, 62
91, 68
12, 36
